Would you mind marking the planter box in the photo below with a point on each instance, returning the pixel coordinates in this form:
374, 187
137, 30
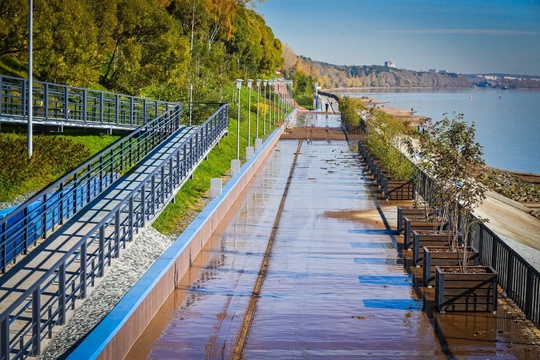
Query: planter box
423, 238
475, 290
399, 190
413, 223
443, 256
408, 211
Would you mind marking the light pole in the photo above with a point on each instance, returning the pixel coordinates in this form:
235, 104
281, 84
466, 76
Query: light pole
272, 103
258, 96
239, 86
249, 84
190, 103
274, 88
265, 82
30, 80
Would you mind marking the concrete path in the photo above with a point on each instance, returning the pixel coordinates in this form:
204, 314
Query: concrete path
337, 284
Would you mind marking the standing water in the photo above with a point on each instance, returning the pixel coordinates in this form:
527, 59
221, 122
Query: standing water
335, 284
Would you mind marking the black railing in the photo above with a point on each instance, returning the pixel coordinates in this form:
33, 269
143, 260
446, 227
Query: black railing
519, 280
35, 219
30, 319
68, 105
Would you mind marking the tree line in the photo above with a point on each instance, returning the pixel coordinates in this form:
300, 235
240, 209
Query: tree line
153, 48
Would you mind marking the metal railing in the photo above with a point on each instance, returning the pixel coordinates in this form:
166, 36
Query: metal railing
30, 319
34, 219
68, 105
519, 280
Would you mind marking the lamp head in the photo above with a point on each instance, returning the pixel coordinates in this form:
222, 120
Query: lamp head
239, 83
249, 83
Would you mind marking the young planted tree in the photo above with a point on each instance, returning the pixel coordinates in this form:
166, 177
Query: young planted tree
452, 158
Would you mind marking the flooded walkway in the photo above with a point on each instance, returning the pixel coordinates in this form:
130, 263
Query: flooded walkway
335, 283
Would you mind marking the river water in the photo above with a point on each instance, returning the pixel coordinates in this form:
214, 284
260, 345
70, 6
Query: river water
507, 121
335, 285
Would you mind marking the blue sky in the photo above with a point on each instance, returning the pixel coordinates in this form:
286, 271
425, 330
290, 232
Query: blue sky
463, 36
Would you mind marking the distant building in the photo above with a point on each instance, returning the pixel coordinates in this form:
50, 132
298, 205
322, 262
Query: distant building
432, 71
442, 72
390, 64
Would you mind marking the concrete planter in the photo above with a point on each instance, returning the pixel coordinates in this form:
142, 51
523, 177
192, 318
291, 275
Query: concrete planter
423, 238
442, 256
474, 290
418, 223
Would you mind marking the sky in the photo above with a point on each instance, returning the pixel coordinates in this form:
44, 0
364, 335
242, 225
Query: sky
460, 36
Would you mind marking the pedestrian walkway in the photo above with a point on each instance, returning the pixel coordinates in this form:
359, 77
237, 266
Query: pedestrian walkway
36, 272
337, 283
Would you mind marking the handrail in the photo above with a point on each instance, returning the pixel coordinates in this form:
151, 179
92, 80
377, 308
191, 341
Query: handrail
516, 276
76, 106
52, 206
68, 279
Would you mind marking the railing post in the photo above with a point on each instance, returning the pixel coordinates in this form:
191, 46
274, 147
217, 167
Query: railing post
117, 233
131, 110
46, 101
131, 218
62, 293
84, 100
101, 251
4, 337
529, 293
143, 205
117, 108
153, 194
83, 269
101, 107
66, 103
510, 274
36, 321
24, 86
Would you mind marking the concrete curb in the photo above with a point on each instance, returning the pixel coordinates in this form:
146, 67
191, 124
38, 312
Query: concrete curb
114, 336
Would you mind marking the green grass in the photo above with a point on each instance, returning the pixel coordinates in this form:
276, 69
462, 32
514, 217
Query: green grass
53, 156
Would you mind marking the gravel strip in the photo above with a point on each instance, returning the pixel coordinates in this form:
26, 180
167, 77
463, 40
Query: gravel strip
132, 263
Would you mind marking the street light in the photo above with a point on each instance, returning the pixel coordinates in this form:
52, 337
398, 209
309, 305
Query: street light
30, 80
249, 84
271, 100
258, 96
265, 82
239, 86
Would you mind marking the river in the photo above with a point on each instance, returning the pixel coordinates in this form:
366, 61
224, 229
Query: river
507, 121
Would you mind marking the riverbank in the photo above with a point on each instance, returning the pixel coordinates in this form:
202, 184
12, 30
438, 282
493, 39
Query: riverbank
520, 187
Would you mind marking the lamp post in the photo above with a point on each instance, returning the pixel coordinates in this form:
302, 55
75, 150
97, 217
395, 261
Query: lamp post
271, 103
258, 96
30, 80
274, 88
238, 86
249, 84
265, 82
190, 103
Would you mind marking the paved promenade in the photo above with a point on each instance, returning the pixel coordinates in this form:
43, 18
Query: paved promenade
337, 283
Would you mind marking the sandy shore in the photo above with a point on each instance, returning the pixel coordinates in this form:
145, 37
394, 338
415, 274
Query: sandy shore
407, 116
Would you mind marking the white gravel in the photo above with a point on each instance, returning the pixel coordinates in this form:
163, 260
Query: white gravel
132, 263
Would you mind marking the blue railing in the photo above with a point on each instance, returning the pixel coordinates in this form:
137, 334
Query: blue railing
31, 318
35, 219
68, 105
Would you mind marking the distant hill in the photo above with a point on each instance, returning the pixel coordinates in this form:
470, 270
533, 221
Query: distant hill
337, 76
350, 76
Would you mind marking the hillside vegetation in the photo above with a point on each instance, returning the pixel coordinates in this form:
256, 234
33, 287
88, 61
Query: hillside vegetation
140, 47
